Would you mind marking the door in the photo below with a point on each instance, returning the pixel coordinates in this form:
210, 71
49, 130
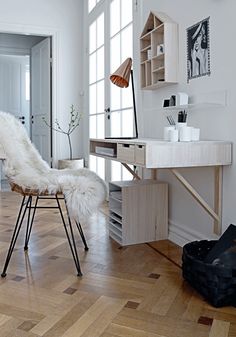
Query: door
13, 87
41, 97
110, 108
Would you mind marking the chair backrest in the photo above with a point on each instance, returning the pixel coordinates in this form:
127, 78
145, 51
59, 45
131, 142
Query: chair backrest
21, 154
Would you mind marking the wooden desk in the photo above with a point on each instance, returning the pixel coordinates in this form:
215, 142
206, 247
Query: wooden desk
157, 154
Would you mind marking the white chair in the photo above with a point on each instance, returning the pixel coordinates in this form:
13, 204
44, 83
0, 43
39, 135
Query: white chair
28, 174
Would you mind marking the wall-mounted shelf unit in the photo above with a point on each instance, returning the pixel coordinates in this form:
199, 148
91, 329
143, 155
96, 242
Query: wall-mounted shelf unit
193, 106
138, 211
159, 52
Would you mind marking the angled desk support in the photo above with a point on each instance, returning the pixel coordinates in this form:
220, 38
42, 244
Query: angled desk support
156, 154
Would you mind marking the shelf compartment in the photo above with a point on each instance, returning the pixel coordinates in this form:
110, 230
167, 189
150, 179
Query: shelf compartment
117, 195
116, 210
159, 57
110, 147
117, 228
157, 70
146, 48
158, 76
148, 67
115, 237
115, 217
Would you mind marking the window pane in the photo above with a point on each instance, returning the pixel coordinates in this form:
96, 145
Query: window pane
92, 163
91, 5
100, 63
126, 97
92, 99
126, 12
92, 127
115, 97
100, 30
127, 43
115, 17
115, 124
101, 167
115, 53
92, 68
126, 175
100, 126
127, 123
92, 37
115, 171
100, 97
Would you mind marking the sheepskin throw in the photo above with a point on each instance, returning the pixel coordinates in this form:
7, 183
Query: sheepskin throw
83, 189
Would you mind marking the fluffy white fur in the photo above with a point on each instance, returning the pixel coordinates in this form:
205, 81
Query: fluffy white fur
83, 189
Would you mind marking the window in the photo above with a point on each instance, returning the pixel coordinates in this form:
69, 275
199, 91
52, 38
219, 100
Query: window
110, 42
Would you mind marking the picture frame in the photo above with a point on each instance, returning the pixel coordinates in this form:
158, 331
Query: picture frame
198, 50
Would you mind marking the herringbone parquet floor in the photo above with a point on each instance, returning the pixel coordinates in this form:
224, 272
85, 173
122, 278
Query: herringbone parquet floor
124, 292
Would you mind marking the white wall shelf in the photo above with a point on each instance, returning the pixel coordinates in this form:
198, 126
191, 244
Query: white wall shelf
194, 106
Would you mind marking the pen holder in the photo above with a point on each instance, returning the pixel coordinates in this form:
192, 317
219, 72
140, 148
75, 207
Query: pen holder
167, 130
179, 126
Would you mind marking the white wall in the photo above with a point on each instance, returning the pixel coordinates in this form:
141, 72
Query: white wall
214, 123
65, 17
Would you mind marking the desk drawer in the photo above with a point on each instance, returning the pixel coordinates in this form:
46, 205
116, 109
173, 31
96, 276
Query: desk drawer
140, 154
125, 152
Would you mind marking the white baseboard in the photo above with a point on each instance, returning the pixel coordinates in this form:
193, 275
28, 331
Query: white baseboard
180, 234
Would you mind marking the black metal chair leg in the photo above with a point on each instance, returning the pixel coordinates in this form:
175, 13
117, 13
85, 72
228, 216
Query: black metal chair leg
78, 225
15, 234
30, 223
71, 240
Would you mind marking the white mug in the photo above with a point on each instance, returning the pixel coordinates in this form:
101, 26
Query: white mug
174, 135
185, 134
195, 134
167, 130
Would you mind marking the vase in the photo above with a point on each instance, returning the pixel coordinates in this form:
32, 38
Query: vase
71, 163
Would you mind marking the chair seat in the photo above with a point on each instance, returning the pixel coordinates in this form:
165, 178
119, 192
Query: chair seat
29, 191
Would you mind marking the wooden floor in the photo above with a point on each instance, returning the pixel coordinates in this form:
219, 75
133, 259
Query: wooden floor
132, 291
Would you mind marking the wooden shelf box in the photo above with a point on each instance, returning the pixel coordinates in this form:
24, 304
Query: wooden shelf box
159, 68
138, 211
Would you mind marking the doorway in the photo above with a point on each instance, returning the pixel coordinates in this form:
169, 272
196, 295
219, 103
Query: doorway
25, 85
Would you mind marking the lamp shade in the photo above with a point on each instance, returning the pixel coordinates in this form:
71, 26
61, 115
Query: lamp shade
122, 75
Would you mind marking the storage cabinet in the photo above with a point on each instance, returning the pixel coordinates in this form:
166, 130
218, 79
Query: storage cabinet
159, 52
138, 211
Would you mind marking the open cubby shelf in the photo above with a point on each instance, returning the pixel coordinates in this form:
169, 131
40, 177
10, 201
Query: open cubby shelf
159, 52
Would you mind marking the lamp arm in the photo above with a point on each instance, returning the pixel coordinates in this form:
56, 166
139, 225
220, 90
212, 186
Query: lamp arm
134, 106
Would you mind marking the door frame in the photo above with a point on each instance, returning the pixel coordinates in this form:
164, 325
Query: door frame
54, 34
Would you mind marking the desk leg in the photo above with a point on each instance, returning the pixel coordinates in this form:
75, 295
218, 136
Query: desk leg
216, 213
218, 198
154, 174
